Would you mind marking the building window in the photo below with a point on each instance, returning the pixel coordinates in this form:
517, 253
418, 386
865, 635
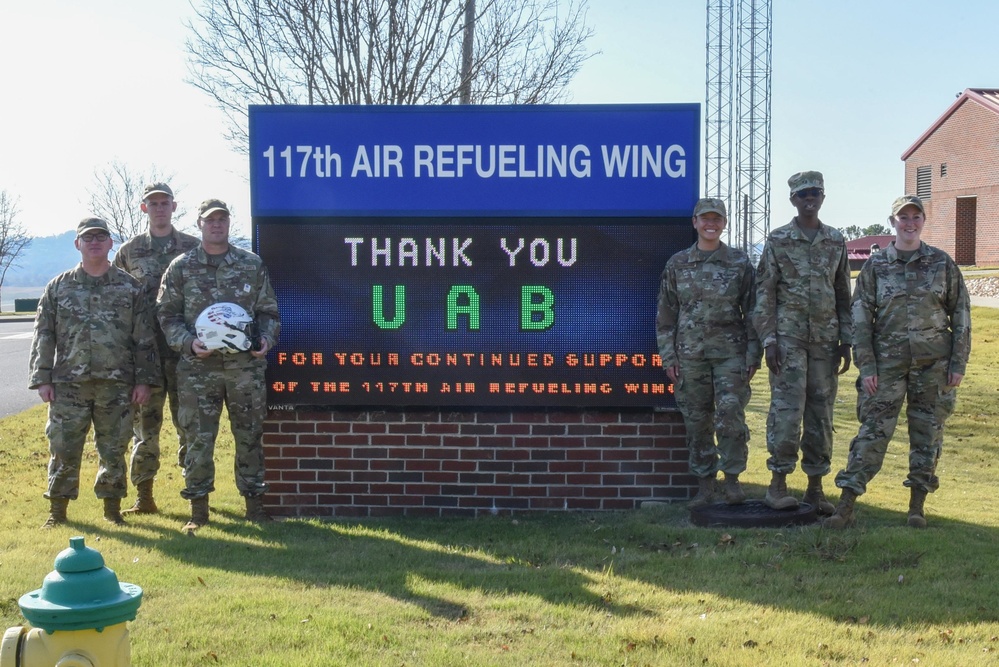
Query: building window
943, 169
924, 177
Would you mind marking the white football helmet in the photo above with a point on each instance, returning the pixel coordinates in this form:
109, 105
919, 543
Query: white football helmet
225, 327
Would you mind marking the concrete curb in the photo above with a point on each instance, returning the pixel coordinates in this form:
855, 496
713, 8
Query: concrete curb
985, 301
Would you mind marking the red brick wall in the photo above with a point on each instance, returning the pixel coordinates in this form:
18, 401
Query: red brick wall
968, 143
374, 463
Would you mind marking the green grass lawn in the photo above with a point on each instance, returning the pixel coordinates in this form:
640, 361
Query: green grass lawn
636, 588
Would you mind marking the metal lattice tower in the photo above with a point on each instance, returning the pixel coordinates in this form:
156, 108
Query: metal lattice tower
718, 103
737, 116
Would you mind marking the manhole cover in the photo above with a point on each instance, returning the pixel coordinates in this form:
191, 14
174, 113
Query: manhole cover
752, 514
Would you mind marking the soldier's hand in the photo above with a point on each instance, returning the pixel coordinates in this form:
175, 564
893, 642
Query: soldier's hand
264, 346
772, 354
140, 394
751, 371
199, 349
953, 379
870, 384
673, 372
844, 358
46, 392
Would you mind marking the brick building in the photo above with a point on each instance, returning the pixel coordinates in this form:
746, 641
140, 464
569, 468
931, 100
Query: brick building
954, 168
859, 250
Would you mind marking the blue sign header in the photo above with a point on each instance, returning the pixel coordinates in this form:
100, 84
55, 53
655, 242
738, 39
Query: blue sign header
631, 161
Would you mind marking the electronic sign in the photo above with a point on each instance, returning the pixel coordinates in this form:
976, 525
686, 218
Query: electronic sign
470, 256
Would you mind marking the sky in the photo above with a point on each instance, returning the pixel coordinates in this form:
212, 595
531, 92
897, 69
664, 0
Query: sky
855, 83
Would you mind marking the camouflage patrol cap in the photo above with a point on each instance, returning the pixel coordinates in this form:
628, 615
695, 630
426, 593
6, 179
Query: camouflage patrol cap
156, 188
209, 206
710, 205
804, 180
92, 225
907, 200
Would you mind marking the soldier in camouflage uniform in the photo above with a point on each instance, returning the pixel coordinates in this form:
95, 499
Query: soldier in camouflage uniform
92, 356
217, 272
803, 318
146, 257
913, 318
710, 350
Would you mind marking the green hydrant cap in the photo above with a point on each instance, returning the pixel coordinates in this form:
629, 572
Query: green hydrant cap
80, 594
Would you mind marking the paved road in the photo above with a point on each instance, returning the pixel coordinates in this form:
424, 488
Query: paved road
15, 346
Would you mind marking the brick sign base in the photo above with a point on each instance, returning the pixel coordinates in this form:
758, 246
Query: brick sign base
435, 463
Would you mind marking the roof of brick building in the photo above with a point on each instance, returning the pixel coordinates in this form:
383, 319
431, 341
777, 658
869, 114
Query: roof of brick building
861, 248
987, 97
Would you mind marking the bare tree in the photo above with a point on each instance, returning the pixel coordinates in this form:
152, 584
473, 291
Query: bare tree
244, 52
115, 196
14, 238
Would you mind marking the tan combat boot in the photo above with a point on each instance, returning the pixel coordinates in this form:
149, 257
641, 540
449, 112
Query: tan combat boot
144, 503
255, 509
112, 511
844, 517
705, 493
777, 497
199, 515
917, 519
734, 495
57, 512
816, 498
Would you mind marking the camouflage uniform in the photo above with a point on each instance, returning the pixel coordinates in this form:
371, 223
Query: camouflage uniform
94, 342
913, 323
803, 306
190, 285
145, 260
703, 326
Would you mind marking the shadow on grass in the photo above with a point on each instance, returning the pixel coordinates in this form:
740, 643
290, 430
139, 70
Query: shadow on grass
382, 556
878, 573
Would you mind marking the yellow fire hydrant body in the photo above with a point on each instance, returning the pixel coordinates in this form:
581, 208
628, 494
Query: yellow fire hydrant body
78, 616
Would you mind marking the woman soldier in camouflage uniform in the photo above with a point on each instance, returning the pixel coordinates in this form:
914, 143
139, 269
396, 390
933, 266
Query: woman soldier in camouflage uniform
913, 336
710, 350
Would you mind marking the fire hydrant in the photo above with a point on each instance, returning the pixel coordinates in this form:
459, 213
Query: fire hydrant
78, 616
